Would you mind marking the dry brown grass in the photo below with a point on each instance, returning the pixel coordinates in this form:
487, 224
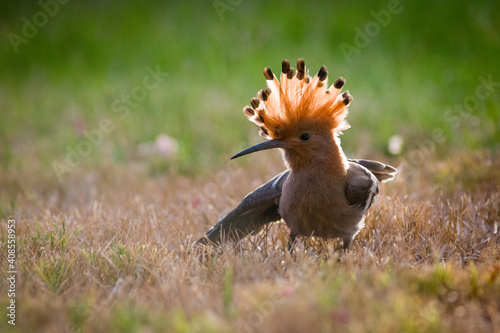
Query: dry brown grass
108, 251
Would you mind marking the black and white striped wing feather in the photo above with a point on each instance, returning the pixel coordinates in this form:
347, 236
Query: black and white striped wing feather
257, 209
361, 187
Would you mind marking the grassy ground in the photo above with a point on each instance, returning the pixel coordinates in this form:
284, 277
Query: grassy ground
102, 246
110, 254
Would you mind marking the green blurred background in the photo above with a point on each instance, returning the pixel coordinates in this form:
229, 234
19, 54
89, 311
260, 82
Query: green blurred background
408, 76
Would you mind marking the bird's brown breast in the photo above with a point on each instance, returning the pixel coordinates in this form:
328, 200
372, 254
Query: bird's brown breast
315, 204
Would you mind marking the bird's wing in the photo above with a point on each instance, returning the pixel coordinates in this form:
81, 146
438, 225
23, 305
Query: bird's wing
383, 172
256, 210
361, 186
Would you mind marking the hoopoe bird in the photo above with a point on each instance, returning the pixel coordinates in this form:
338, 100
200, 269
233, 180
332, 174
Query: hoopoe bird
322, 193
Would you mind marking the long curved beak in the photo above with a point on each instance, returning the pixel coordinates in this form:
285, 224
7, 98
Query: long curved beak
271, 144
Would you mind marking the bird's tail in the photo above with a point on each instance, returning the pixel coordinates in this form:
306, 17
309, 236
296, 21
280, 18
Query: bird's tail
383, 172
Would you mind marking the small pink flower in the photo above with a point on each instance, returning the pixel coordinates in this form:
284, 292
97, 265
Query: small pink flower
287, 292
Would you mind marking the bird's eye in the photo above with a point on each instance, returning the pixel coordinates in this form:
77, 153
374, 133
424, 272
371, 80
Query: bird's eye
305, 136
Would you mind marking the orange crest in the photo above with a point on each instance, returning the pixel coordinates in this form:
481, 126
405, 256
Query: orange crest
298, 99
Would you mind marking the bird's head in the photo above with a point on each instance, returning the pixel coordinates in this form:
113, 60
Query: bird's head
300, 114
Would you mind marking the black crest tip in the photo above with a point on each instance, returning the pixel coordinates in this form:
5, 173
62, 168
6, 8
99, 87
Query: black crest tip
268, 73
301, 65
249, 111
285, 66
339, 83
255, 102
263, 132
323, 73
347, 98
264, 94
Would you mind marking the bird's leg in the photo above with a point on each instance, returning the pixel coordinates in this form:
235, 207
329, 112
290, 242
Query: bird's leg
347, 243
291, 241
